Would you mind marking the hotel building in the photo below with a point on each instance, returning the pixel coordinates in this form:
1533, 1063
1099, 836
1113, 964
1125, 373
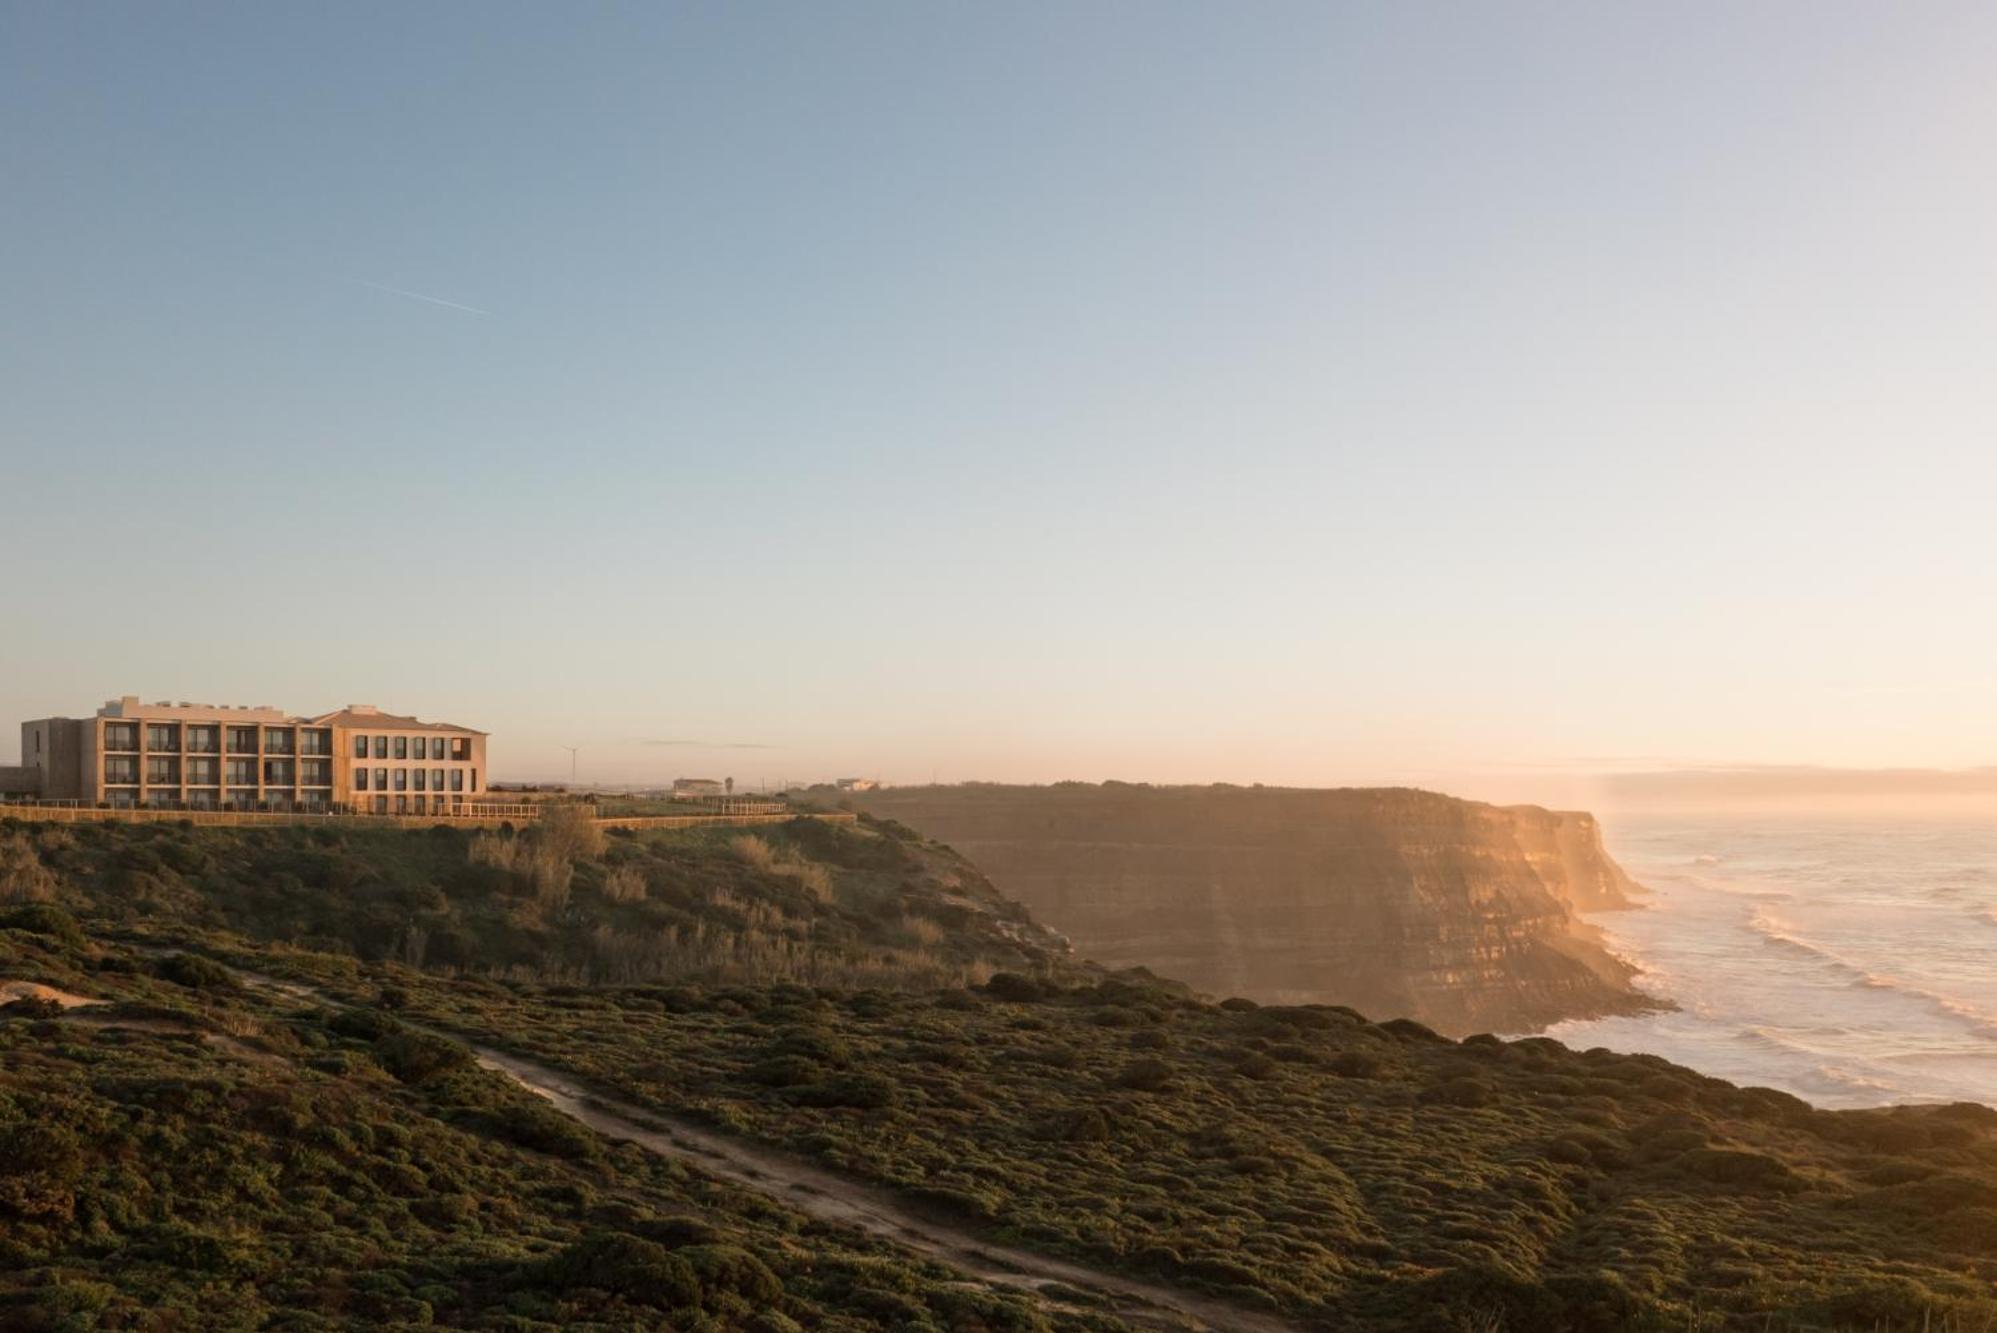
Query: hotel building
181, 756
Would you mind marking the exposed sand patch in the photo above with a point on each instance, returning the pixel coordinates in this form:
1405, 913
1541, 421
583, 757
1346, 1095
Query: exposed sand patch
11, 991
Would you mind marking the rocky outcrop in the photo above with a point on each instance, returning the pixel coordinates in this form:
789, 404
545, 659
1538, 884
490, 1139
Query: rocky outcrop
1565, 849
1393, 901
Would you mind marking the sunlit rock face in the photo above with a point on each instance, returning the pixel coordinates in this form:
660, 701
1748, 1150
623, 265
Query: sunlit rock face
1399, 903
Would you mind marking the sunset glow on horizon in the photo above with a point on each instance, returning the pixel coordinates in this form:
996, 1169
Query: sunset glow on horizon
1484, 399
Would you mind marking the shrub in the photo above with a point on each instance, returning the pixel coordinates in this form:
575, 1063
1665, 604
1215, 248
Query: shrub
363, 1024
1356, 1064
23, 877
32, 1006
629, 1266
785, 1071
1084, 1124
1014, 988
543, 1129
1736, 1166
865, 1092
1880, 1302
1461, 1091
1147, 1075
418, 1057
569, 832
624, 885
1256, 1065
730, 1268
194, 972
42, 919
757, 853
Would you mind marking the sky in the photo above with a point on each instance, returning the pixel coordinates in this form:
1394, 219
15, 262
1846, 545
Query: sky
1474, 396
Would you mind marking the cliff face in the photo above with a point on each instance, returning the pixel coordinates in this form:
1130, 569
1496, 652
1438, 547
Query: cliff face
1395, 902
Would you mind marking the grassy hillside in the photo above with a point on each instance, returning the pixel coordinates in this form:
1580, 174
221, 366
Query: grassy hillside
193, 1156
1300, 1159
805, 901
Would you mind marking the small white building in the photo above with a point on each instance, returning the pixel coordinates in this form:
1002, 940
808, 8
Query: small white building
701, 789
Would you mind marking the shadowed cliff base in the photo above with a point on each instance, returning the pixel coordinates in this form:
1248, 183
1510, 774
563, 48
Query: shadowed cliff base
1393, 901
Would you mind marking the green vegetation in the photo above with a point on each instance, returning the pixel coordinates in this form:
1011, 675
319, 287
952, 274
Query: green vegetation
189, 1158
1302, 1160
802, 901
192, 1155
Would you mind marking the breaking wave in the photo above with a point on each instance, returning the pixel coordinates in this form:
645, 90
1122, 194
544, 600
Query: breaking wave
1846, 963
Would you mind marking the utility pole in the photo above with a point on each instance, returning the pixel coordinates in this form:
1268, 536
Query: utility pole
572, 764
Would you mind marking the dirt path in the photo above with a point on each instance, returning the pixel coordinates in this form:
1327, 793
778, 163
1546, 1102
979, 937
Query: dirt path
829, 1197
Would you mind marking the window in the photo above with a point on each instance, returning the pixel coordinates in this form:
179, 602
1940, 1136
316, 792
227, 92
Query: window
242, 772
401, 747
162, 737
474, 779
402, 779
381, 779
277, 740
360, 747
381, 805
360, 779
163, 770
121, 736
402, 805
242, 740
121, 770
204, 740
202, 772
461, 748
277, 772
420, 776
315, 772
436, 779
457, 779
381, 747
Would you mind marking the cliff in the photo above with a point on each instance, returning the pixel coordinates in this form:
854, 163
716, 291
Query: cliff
1395, 902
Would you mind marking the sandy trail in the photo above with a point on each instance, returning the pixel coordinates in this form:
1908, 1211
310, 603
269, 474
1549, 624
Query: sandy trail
829, 1197
11, 991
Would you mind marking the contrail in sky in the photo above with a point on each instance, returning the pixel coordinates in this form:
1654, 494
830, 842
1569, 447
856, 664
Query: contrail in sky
418, 296
715, 745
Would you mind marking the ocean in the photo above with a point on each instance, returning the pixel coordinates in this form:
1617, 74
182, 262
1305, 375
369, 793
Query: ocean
1852, 962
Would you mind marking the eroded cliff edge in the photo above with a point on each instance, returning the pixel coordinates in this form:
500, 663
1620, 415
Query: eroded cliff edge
1394, 901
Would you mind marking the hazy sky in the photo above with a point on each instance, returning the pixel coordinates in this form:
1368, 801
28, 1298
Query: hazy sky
1304, 393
